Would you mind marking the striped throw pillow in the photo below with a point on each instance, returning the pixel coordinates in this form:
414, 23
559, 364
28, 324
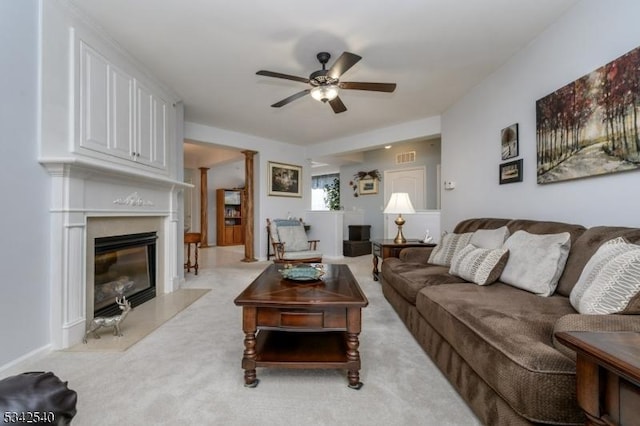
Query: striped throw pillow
610, 281
479, 265
448, 247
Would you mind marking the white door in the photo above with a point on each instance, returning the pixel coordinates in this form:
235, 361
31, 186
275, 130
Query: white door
412, 181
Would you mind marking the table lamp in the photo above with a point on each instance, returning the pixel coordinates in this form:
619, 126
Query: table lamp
399, 203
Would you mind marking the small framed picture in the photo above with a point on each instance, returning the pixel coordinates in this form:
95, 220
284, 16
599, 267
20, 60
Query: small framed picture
511, 172
509, 138
368, 186
285, 180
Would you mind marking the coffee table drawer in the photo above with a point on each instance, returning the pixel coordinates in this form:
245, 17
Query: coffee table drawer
301, 318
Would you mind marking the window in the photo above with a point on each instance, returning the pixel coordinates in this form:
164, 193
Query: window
318, 192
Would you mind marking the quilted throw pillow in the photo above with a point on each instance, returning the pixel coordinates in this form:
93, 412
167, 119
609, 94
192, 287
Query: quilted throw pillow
536, 262
610, 281
448, 247
479, 265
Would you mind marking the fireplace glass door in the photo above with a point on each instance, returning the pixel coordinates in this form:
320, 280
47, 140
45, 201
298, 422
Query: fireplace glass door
124, 266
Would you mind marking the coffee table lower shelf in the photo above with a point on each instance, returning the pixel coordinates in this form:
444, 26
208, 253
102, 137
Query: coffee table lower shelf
303, 349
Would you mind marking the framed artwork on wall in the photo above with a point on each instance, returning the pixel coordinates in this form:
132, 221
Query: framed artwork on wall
511, 172
368, 186
590, 126
509, 140
285, 180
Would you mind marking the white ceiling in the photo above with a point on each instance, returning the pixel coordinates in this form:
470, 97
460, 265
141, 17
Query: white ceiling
208, 52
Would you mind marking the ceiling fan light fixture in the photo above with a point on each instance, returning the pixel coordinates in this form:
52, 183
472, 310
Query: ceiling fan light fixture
325, 93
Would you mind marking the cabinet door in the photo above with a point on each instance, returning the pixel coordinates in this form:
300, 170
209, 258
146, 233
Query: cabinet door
160, 129
94, 84
228, 235
121, 140
144, 124
151, 124
238, 234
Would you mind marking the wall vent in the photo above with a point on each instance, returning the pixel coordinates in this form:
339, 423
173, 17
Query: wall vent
406, 157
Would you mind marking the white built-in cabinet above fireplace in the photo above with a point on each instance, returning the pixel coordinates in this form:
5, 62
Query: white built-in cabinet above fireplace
111, 140
118, 114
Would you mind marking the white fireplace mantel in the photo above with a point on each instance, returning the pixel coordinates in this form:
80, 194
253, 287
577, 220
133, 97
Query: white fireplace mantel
80, 190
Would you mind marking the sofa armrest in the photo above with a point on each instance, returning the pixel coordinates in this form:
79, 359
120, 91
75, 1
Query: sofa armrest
416, 254
580, 322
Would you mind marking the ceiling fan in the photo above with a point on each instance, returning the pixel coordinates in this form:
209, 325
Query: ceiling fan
326, 82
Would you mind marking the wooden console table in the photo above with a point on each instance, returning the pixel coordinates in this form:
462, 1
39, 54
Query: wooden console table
607, 375
388, 248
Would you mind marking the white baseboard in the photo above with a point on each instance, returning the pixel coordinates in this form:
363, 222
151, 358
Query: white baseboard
17, 365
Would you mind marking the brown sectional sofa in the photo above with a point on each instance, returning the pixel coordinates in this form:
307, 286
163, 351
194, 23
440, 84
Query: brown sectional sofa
495, 343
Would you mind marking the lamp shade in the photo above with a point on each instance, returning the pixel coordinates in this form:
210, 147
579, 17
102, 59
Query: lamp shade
399, 203
325, 93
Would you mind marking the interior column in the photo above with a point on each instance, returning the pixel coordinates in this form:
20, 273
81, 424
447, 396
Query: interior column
204, 209
247, 206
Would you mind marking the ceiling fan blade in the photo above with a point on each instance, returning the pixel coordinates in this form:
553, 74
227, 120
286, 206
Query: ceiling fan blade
280, 75
337, 105
374, 87
290, 98
344, 62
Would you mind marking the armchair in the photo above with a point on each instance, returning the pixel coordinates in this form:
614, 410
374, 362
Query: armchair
290, 243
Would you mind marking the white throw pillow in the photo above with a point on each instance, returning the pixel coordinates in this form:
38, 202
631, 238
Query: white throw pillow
610, 280
490, 238
536, 261
479, 265
293, 237
448, 247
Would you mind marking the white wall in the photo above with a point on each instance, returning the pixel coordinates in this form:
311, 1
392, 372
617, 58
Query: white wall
427, 155
265, 206
24, 292
588, 36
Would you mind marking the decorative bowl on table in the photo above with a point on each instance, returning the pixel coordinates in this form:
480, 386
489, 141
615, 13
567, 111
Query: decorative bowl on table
301, 273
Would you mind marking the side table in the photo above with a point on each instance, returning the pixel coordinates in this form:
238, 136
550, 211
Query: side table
607, 375
192, 238
388, 248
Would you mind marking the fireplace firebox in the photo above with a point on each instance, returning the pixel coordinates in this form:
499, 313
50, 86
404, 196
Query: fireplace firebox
124, 265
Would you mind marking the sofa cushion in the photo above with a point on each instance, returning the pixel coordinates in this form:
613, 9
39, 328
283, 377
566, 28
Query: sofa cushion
536, 261
416, 254
583, 248
610, 281
490, 238
471, 225
409, 278
293, 237
594, 323
505, 335
479, 265
448, 247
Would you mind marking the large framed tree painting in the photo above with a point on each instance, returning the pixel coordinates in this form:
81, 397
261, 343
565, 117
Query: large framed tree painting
590, 127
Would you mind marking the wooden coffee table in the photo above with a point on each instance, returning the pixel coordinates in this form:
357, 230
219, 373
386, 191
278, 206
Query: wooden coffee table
302, 325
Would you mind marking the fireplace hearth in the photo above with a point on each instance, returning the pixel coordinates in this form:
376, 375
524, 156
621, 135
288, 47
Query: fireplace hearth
124, 265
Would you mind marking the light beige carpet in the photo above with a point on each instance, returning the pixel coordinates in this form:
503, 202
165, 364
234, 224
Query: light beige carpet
141, 321
188, 372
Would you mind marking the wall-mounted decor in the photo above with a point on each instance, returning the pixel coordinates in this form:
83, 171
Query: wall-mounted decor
511, 172
590, 126
368, 187
285, 180
509, 140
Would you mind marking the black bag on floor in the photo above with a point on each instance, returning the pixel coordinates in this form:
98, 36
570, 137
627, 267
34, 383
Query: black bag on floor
36, 398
